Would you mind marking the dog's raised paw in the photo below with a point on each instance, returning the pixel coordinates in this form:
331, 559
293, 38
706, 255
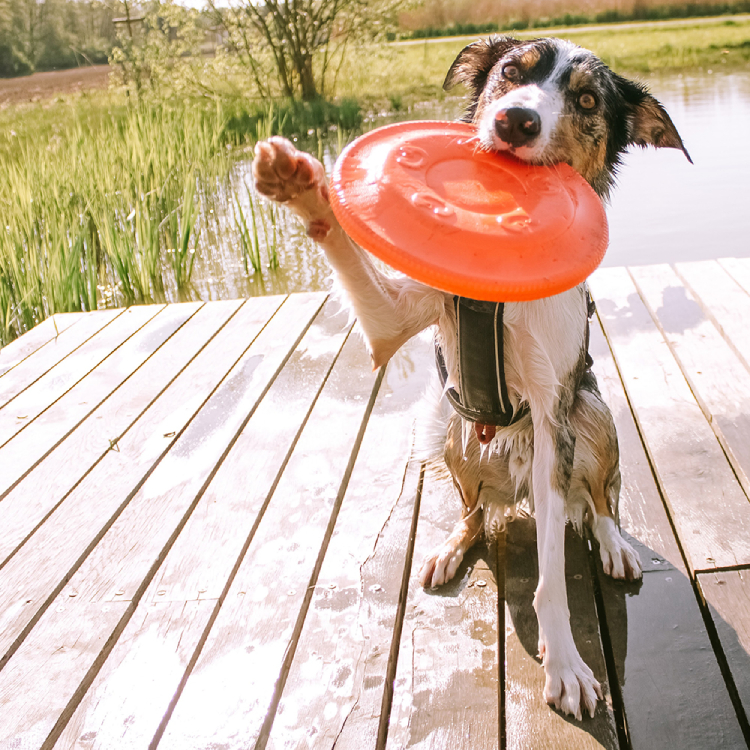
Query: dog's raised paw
281, 172
572, 688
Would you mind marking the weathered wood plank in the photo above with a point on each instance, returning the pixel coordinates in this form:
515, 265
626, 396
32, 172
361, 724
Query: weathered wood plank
728, 598
130, 551
529, 721
359, 586
446, 690
25, 719
670, 682
723, 299
31, 369
739, 270
256, 630
26, 406
719, 380
707, 505
160, 640
32, 341
27, 504
29, 446
40, 568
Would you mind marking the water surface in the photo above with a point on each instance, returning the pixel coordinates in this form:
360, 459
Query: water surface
663, 210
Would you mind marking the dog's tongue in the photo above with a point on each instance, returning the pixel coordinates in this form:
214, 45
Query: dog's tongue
485, 432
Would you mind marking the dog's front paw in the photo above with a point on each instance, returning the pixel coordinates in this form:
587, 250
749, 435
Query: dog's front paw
441, 564
619, 559
282, 173
571, 687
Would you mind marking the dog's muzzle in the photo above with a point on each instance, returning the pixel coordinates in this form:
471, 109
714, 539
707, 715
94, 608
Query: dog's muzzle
517, 126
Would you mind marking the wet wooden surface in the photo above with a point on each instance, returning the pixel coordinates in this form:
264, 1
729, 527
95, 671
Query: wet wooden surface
212, 519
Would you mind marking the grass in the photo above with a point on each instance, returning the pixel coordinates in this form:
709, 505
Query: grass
108, 203
414, 71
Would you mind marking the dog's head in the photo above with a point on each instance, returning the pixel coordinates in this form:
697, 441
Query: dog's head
549, 101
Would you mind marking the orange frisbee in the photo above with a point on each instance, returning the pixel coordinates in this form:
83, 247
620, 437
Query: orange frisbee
425, 199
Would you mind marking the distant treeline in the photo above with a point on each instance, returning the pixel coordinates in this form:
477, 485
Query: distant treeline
50, 34
529, 20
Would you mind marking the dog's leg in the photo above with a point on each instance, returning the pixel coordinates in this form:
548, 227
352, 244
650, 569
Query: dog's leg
596, 481
442, 563
570, 685
390, 310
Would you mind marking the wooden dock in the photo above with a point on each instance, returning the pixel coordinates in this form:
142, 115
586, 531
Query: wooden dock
211, 524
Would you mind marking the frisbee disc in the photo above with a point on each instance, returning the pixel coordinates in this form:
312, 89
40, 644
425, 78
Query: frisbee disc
424, 198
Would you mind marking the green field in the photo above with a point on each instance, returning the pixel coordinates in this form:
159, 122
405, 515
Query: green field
106, 202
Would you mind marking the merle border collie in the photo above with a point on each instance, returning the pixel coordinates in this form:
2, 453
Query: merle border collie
544, 101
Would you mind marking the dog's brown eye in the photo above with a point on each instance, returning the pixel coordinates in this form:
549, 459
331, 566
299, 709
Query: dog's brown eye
511, 72
587, 101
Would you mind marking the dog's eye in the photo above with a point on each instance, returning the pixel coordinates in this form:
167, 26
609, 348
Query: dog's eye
511, 72
586, 100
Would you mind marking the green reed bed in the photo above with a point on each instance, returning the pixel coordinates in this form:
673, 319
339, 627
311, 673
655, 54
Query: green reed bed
106, 210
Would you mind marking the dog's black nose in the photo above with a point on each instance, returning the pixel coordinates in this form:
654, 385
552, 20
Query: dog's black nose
517, 125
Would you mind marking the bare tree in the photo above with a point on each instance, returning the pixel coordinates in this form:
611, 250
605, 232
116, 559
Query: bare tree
302, 39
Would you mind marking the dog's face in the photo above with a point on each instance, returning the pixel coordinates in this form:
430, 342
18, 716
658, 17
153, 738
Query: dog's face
549, 101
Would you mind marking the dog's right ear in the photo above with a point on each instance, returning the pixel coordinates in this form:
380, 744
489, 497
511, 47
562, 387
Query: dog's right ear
475, 61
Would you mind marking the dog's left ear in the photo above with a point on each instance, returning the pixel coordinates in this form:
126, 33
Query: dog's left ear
650, 124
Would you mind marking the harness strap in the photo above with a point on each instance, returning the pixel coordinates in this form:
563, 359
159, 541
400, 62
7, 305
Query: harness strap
482, 394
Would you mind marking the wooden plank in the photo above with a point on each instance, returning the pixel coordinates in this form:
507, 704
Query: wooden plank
719, 380
156, 647
360, 583
129, 553
725, 302
28, 503
31, 369
658, 638
29, 446
28, 686
40, 567
739, 270
255, 633
727, 595
32, 341
529, 721
446, 690
707, 505
26, 406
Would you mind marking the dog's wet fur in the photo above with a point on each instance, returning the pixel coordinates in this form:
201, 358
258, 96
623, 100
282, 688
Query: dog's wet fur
545, 101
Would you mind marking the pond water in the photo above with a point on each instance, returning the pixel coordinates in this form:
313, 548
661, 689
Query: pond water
663, 209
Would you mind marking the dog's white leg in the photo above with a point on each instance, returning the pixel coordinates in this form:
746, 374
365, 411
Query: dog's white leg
570, 684
390, 310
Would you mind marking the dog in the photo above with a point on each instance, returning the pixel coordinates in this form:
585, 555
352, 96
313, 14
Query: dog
543, 101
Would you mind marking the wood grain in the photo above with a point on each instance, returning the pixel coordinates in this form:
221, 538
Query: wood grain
38, 570
24, 373
27, 504
707, 505
32, 341
529, 721
718, 378
723, 300
359, 585
727, 595
446, 691
157, 646
739, 270
670, 682
29, 446
35, 399
130, 551
256, 630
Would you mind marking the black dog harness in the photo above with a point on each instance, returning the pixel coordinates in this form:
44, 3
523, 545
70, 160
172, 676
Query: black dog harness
482, 395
